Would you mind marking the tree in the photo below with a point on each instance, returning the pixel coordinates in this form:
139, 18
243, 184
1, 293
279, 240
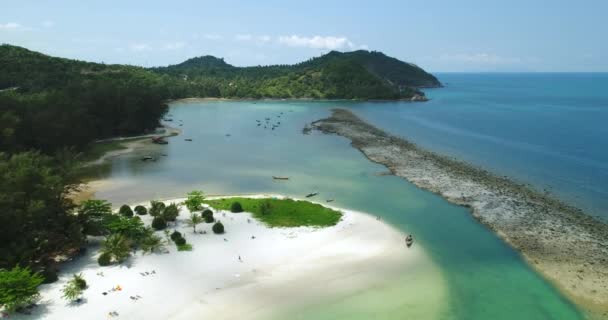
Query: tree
126, 211
194, 220
156, 208
151, 242
132, 228
141, 210
93, 215
236, 207
18, 287
171, 212
117, 246
159, 223
36, 220
195, 200
218, 228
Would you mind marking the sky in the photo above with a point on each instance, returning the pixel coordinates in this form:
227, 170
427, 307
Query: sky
440, 36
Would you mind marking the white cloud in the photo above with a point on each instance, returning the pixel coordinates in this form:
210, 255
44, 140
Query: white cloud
10, 26
319, 42
174, 45
139, 47
480, 58
48, 24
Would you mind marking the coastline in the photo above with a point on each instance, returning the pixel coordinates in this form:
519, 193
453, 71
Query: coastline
293, 265
568, 247
209, 99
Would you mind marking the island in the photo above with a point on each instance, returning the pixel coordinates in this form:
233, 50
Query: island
566, 245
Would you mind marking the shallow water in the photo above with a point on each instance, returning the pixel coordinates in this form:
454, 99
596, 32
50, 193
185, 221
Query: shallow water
483, 277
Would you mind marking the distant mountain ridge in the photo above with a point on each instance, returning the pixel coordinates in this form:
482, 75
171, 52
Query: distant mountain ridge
349, 75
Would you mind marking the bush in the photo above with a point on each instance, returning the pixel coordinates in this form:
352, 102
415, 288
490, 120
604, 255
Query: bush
18, 287
159, 223
208, 216
171, 212
156, 208
194, 201
105, 259
141, 210
176, 234
184, 247
79, 281
126, 211
218, 228
236, 207
180, 241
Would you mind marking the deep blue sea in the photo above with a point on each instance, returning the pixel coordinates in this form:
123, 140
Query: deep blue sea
547, 129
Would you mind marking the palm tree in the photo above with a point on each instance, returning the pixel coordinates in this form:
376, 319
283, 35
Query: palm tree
194, 220
151, 243
117, 246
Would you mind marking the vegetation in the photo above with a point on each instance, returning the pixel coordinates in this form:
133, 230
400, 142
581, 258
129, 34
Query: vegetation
194, 201
36, 220
176, 234
283, 212
208, 216
151, 243
194, 220
126, 211
218, 228
235, 207
184, 247
93, 215
171, 212
351, 75
18, 287
117, 247
159, 223
180, 241
156, 208
141, 210
74, 288
104, 259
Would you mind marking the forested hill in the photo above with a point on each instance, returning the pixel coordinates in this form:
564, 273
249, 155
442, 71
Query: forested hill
351, 75
48, 103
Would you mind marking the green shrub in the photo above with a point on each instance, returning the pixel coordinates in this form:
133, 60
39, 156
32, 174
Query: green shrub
171, 212
180, 241
105, 259
184, 247
159, 223
80, 281
156, 208
236, 207
218, 228
208, 216
176, 234
194, 201
141, 210
18, 287
125, 210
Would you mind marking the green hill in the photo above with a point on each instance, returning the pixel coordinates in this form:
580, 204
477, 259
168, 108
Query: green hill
352, 75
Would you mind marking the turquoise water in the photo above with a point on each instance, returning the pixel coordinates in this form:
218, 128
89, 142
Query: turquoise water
549, 130
483, 277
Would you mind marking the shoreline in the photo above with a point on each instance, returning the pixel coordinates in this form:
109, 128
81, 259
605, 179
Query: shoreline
208, 99
565, 245
294, 265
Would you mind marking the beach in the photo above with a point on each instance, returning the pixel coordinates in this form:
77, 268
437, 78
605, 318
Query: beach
565, 245
243, 273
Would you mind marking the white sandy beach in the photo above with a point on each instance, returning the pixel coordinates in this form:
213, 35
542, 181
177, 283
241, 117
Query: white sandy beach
281, 269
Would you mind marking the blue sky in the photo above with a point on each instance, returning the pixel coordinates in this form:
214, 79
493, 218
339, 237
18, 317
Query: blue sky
464, 35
